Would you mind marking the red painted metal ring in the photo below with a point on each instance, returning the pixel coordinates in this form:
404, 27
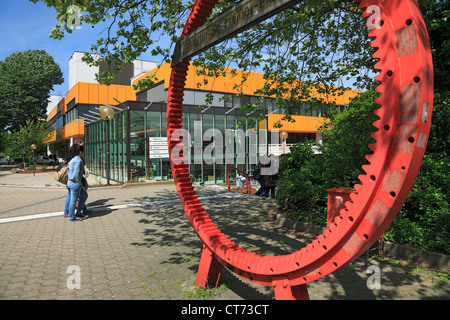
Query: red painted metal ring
406, 76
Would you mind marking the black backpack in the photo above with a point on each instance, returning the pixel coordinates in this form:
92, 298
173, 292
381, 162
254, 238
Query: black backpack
257, 172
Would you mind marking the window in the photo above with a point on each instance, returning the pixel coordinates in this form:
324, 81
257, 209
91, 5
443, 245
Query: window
71, 115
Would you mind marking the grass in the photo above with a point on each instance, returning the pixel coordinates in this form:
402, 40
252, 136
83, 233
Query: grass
406, 266
192, 292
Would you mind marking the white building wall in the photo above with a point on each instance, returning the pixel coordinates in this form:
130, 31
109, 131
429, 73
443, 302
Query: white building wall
141, 67
79, 71
53, 102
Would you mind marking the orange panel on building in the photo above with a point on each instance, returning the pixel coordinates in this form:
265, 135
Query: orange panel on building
73, 129
232, 82
51, 137
302, 124
52, 113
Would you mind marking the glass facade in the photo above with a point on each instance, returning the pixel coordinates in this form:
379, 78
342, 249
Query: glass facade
136, 141
108, 139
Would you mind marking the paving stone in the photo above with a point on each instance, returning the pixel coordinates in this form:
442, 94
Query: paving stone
150, 252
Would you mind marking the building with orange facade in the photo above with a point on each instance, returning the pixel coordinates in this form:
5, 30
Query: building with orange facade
133, 145
66, 113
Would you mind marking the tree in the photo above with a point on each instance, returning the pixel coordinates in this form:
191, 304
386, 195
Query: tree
323, 43
437, 16
345, 140
305, 177
141, 26
26, 79
33, 132
304, 42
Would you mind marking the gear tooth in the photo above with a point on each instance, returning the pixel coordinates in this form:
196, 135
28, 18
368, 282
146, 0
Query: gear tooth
376, 45
369, 157
354, 195
378, 113
347, 207
359, 186
375, 129
375, 135
378, 77
365, 168
379, 100
379, 89
377, 123
363, 178
363, 4
378, 66
375, 33
365, 14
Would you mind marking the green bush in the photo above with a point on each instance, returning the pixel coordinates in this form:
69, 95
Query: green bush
424, 220
305, 177
300, 191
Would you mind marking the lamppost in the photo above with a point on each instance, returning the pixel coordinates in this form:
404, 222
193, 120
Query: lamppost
33, 147
107, 114
284, 136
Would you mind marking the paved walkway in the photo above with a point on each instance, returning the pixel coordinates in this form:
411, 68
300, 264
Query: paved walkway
138, 245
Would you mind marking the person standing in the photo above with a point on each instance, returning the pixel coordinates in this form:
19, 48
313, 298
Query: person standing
270, 176
80, 142
75, 186
258, 177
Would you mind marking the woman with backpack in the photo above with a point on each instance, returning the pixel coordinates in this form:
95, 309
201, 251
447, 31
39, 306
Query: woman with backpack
75, 184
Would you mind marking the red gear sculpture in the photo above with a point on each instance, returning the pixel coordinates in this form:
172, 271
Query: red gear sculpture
406, 75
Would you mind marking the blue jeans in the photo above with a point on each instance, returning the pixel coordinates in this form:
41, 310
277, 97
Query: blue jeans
75, 191
262, 190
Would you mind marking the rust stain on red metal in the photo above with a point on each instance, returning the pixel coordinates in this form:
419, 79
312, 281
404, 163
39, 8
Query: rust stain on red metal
393, 180
377, 213
410, 102
406, 40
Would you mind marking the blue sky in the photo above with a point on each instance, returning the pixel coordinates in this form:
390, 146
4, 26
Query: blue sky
26, 26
